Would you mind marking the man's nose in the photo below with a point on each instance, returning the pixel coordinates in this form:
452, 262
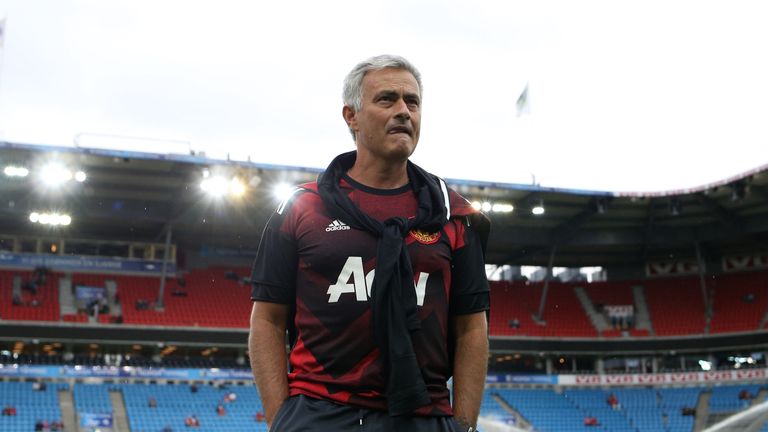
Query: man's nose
402, 110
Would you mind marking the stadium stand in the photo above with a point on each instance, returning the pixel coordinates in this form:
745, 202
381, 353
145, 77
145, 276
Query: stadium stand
640, 409
740, 301
491, 409
676, 306
42, 305
131, 201
537, 407
727, 398
31, 405
184, 306
176, 402
92, 399
563, 314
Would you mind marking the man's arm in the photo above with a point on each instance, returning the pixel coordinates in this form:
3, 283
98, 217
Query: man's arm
266, 347
470, 366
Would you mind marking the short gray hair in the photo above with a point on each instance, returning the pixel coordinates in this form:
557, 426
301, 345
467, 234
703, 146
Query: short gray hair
353, 83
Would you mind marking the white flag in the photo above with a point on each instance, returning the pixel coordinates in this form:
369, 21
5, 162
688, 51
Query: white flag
523, 102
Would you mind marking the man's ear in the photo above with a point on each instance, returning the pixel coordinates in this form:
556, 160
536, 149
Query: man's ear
350, 116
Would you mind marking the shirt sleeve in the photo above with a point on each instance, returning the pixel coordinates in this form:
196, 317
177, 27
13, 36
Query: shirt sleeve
274, 270
470, 292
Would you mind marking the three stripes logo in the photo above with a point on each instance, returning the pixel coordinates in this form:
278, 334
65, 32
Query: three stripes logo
337, 225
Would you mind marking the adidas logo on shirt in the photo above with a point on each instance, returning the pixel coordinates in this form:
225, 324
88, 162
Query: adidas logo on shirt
337, 225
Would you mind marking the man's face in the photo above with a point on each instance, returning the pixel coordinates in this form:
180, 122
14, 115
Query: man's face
388, 124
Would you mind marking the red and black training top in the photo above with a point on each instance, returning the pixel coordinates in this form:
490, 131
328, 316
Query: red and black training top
324, 269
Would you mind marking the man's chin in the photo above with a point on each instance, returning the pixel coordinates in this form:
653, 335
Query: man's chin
403, 147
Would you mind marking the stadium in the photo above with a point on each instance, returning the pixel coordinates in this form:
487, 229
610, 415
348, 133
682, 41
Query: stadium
125, 261
109, 283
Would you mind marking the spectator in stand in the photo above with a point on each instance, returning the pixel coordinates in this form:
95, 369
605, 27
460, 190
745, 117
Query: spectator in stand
38, 425
30, 286
514, 323
167, 428
192, 421
220, 411
260, 417
38, 386
17, 300
9, 410
745, 395
591, 421
152, 402
613, 401
230, 397
41, 275
177, 292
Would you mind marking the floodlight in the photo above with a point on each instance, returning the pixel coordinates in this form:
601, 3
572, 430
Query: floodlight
236, 187
216, 186
80, 176
476, 205
539, 209
282, 191
55, 175
502, 208
486, 206
14, 171
55, 219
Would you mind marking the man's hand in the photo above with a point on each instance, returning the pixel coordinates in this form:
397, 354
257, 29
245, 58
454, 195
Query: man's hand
266, 347
469, 367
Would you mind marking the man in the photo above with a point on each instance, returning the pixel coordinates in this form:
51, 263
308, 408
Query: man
376, 270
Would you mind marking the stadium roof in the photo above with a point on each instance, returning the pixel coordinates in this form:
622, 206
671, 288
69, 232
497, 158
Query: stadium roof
135, 196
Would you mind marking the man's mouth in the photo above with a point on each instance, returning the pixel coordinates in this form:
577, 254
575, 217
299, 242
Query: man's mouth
399, 129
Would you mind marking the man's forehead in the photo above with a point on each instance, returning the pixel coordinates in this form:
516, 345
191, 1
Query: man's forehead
391, 79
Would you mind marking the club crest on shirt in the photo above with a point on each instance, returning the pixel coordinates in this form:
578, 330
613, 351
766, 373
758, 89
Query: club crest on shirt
425, 237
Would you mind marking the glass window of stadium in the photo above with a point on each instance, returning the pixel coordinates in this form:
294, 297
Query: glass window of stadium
28, 245
626, 364
506, 363
6, 244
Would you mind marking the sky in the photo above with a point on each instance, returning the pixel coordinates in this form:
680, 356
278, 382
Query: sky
625, 96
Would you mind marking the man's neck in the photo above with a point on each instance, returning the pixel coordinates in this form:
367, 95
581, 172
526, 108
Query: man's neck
381, 175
